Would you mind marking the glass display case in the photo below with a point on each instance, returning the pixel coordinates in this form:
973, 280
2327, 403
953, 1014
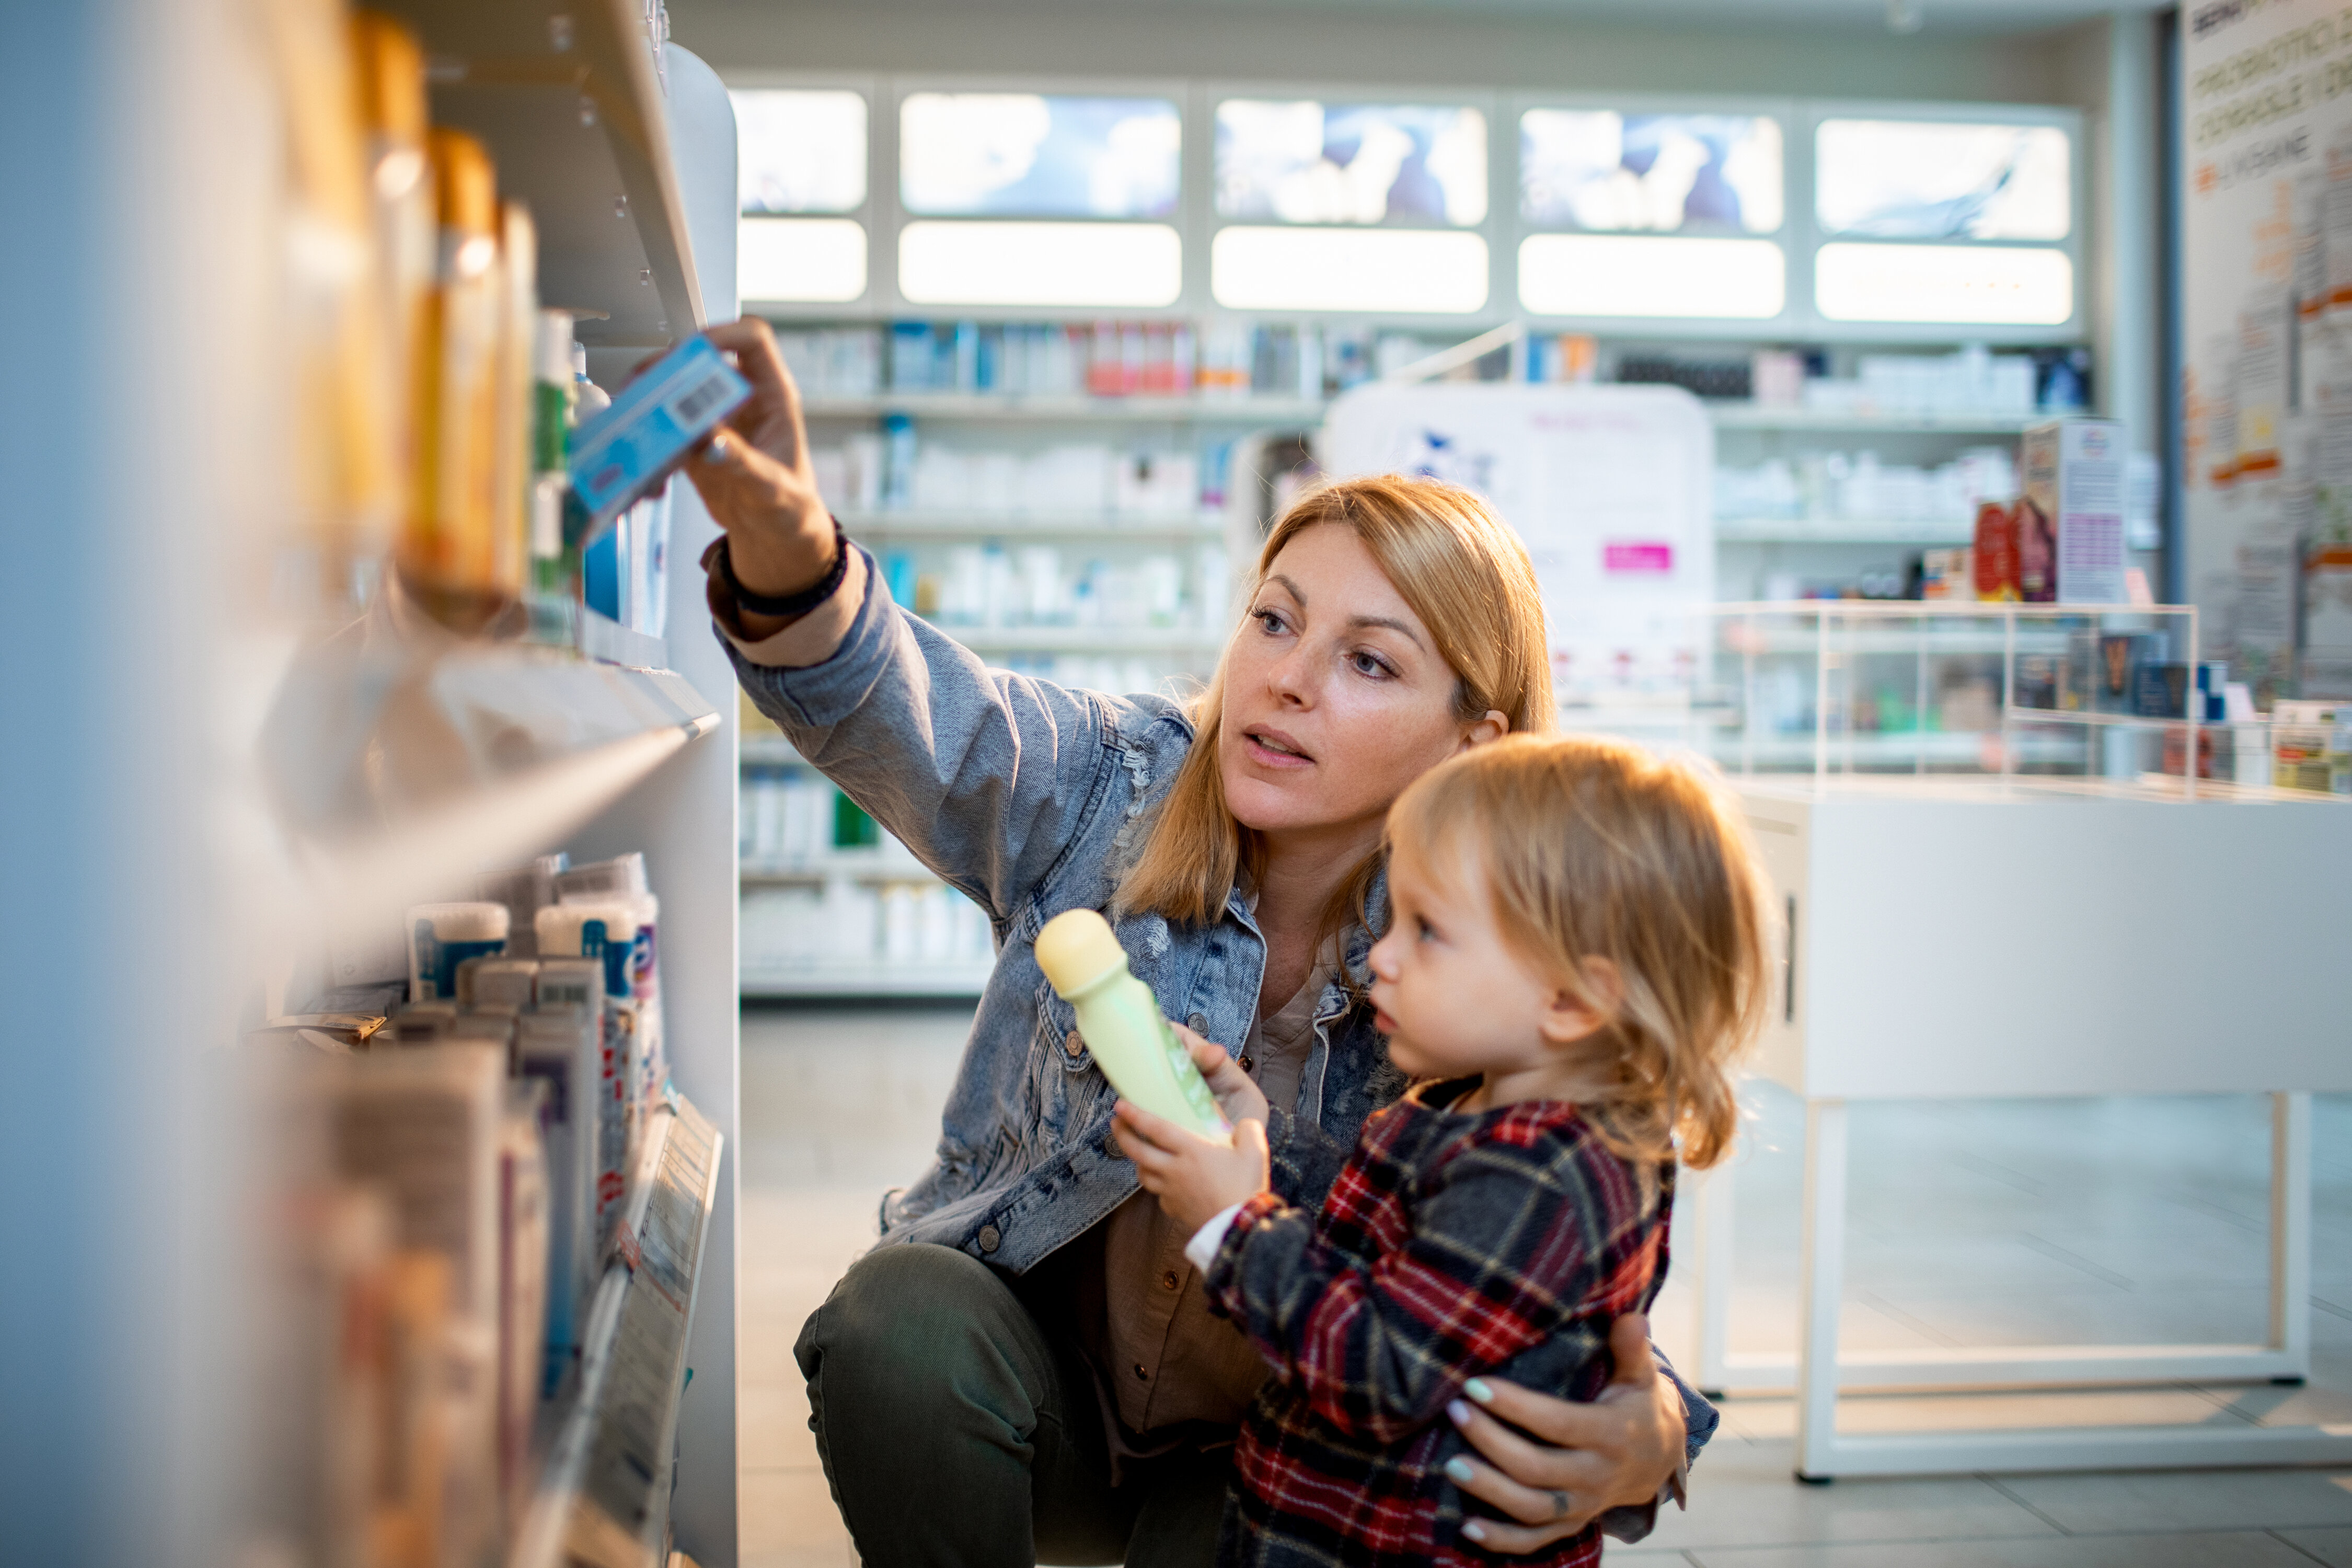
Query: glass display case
2049, 692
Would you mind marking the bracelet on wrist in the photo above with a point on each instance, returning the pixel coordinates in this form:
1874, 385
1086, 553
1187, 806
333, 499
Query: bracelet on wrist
716, 562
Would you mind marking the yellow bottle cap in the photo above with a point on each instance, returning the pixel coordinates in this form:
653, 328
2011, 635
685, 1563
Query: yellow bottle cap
1077, 949
391, 75
465, 182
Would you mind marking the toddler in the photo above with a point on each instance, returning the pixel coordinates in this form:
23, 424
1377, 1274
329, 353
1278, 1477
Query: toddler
1574, 955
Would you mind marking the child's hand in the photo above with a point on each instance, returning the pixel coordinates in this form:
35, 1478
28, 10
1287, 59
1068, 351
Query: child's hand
1193, 1178
1237, 1096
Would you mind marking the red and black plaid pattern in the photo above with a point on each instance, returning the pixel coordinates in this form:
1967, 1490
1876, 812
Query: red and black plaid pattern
1451, 1246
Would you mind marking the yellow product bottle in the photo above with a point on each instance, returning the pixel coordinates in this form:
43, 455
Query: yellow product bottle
389, 70
517, 332
1119, 1020
344, 474
448, 550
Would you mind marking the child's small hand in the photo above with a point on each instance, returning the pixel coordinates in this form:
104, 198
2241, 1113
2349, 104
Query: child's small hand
1238, 1096
1193, 1178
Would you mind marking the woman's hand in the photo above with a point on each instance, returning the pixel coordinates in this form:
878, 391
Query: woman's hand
756, 476
1194, 1179
1238, 1095
1586, 1459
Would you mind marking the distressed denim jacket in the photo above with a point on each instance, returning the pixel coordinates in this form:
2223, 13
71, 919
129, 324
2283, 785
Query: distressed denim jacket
1031, 798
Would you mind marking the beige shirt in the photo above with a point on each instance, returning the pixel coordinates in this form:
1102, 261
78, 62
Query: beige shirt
1166, 1359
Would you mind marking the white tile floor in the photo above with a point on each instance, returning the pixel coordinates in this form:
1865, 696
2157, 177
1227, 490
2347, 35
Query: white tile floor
2115, 1221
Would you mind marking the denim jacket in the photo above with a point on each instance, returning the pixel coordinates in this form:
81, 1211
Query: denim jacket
1030, 799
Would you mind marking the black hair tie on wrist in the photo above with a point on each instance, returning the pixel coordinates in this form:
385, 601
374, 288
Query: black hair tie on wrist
798, 604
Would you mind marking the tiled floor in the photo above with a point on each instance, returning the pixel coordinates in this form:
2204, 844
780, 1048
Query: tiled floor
2116, 1221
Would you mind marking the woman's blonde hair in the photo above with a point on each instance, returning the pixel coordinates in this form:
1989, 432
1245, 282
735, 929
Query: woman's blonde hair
1594, 848
1464, 573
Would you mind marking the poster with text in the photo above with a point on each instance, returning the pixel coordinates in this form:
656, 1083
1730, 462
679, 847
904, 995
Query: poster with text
2266, 324
1609, 487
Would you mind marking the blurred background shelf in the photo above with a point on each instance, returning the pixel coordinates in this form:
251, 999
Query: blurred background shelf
1014, 407
1839, 531
1087, 639
986, 525
1753, 417
846, 979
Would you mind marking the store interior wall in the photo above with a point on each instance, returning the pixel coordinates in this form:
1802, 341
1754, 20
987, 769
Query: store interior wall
2106, 65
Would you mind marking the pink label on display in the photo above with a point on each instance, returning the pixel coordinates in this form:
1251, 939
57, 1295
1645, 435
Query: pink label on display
1645, 558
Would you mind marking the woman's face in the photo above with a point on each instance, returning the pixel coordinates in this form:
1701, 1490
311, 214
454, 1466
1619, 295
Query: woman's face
1335, 696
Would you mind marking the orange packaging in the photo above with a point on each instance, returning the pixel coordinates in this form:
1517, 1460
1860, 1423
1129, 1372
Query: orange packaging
448, 552
1995, 555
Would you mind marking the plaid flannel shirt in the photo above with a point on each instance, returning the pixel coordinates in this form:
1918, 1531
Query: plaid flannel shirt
1451, 1246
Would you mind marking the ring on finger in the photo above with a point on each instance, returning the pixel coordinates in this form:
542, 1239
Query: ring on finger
1559, 1505
720, 450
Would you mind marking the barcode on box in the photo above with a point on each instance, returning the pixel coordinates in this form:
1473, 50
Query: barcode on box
698, 400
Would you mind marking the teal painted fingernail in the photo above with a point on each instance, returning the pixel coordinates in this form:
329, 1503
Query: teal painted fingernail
1474, 1530
1476, 1389
1460, 1471
1457, 1412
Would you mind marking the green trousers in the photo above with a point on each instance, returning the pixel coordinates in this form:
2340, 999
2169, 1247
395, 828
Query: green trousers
956, 1430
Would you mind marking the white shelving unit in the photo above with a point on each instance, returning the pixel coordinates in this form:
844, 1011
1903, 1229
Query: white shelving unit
1025, 408
1838, 531
231, 787
913, 525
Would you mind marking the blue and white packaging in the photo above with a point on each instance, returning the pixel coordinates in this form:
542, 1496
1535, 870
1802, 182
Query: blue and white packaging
625, 453
443, 936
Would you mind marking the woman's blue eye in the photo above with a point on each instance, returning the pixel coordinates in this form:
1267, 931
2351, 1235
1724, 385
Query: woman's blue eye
1368, 664
1269, 621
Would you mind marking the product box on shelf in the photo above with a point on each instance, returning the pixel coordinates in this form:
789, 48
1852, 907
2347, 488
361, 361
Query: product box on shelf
2071, 517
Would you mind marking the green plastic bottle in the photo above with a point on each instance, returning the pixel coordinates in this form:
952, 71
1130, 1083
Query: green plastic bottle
1121, 1021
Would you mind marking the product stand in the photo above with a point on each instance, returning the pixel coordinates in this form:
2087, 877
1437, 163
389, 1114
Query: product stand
1889, 883
232, 789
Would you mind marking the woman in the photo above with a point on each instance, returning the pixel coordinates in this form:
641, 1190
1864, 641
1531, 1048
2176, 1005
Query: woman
1025, 1370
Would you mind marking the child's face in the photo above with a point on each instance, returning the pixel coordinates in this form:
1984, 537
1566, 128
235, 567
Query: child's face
1454, 997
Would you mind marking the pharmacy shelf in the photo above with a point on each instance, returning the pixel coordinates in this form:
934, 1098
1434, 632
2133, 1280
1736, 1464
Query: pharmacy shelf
1017, 408
1936, 640
869, 868
399, 767
604, 1494
1838, 531
769, 748
985, 525
950, 980
571, 107
986, 641
1753, 417
1880, 752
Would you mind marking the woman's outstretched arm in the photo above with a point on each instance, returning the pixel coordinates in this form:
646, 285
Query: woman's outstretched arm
985, 775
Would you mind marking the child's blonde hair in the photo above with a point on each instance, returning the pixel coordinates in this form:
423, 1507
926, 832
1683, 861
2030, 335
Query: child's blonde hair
1596, 848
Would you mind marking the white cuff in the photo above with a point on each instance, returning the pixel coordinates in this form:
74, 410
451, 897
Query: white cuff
1202, 1250
812, 639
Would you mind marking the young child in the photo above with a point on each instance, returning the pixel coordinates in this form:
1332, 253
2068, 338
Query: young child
1574, 956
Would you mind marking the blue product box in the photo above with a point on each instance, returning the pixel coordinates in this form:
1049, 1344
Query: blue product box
625, 453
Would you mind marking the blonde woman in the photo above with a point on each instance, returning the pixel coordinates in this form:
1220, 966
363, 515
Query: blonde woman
1026, 1369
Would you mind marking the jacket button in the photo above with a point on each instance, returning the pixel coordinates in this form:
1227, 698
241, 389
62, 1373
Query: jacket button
1168, 1280
1142, 1374
1110, 1146
1073, 1044
990, 1238
1198, 1023
1249, 1063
